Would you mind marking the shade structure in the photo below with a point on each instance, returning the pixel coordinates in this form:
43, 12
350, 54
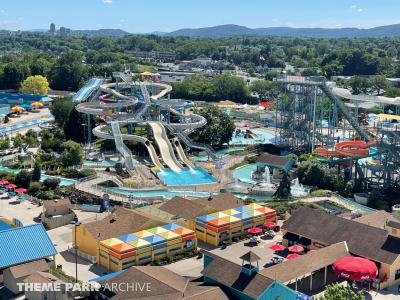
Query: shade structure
20, 190
270, 224
11, 186
254, 230
4, 182
277, 247
128, 237
355, 268
146, 73
17, 109
293, 256
296, 249
37, 104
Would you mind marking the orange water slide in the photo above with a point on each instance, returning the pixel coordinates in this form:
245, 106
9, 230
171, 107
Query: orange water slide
354, 149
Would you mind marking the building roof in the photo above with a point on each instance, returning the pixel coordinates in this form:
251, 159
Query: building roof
184, 208
48, 204
162, 282
377, 218
42, 277
305, 264
283, 162
393, 224
23, 244
229, 274
250, 257
126, 221
362, 240
221, 201
28, 268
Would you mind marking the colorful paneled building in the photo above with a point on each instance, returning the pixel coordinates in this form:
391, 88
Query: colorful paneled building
225, 225
145, 246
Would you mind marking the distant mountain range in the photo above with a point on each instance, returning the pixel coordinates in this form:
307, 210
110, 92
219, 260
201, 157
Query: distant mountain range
236, 30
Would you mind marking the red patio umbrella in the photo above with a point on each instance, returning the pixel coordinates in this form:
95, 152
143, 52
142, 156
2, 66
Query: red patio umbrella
3, 182
11, 186
296, 249
20, 190
293, 256
254, 230
270, 224
277, 247
355, 268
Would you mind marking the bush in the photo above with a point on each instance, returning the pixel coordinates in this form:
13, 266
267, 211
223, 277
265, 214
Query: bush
23, 179
46, 195
71, 173
87, 172
7, 176
36, 173
321, 193
51, 183
34, 188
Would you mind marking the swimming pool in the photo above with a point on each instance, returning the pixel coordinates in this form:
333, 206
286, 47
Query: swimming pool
4, 110
63, 181
25, 124
244, 173
262, 138
186, 176
166, 194
105, 163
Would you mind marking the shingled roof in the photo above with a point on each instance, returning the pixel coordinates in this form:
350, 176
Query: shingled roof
305, 264
125, 221
187, 209
221, 201
163, 284
229, 274
362, 240
28, 268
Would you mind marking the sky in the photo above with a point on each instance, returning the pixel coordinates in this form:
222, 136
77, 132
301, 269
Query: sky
145, 16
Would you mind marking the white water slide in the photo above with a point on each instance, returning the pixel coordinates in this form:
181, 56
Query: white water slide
166, 150
182, 154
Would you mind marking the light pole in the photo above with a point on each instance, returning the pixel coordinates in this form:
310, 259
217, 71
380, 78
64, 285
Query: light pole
76, 223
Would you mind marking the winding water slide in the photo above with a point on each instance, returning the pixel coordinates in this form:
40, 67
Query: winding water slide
87, 90
346, 94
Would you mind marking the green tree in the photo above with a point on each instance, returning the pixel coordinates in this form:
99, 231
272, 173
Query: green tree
379, 84
264, 89
219, 127
36, 173
68, 73
61, 109
228, 87
14, 73
359, 85
74, 128
72, 154
4, 143
35, 85
338, 292
23, 179
392, 92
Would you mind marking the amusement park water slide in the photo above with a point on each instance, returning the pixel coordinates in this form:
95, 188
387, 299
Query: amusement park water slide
350, 149
181, 154
166, 150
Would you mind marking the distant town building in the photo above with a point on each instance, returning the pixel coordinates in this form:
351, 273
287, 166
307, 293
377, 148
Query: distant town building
158, 55
52, 28
64, 30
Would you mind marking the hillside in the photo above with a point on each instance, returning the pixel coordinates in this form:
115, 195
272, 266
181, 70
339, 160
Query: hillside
236, 30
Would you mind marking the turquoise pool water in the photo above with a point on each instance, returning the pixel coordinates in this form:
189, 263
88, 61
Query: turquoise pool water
166, 194
4, 110
63, 181
262, 138
106, 163
244, 173
26, 124
186, 176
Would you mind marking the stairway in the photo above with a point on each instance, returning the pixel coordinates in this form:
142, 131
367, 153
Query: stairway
119, 143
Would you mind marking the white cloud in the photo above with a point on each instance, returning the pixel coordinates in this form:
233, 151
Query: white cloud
360, 10
338, 25
2, 11
107, 1
275, 20
353, 6
122, 21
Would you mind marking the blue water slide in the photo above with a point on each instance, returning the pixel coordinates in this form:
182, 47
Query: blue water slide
85, 91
